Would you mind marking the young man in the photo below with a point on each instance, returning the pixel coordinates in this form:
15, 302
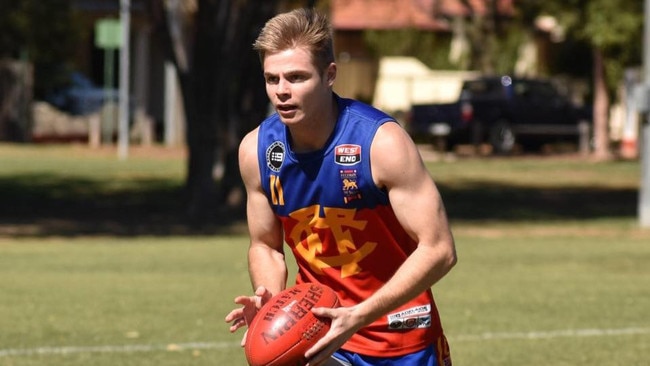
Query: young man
345, 187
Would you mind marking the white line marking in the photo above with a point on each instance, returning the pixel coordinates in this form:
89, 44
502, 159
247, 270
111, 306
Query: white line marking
115, 349
569, 333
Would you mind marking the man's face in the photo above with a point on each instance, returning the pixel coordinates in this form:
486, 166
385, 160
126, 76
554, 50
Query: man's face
296, 88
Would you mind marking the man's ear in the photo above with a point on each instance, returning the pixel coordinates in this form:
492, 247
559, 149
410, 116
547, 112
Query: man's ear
330, 74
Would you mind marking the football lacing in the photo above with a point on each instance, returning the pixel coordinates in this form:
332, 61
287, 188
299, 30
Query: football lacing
312, 331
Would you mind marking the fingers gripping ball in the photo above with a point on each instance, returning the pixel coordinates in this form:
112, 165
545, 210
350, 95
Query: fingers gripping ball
285, 328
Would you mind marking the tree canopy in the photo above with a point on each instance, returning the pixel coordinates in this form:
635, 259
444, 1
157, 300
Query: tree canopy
46, 33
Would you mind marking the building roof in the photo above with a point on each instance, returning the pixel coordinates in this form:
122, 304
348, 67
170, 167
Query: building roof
396, 14
383, 14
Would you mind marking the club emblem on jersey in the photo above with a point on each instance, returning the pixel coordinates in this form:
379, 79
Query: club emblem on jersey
342, 251
347, 154
275, 156
349, 184
350, 187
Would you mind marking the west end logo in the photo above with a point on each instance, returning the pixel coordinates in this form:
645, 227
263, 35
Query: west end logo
275, 156
347, 154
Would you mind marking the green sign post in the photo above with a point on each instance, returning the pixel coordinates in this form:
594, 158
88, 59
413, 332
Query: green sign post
108, 36
108, 33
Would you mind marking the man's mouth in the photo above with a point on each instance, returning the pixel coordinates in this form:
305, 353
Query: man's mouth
286, 107
286, 110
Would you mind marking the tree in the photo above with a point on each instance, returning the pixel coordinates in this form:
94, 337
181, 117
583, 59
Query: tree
29, 28
222, 87
489, 35
612, 28
28, 62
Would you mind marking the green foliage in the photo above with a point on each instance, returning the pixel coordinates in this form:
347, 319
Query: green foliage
47, 30
46, 33
432, 48
429, 47
613, 26
507, 48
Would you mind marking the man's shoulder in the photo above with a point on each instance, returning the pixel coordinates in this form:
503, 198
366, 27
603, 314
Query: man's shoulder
250, 139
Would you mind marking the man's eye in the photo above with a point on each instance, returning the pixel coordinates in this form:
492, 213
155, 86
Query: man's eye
271, 80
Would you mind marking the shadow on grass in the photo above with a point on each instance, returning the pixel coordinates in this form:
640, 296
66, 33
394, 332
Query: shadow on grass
48, 205
509, 203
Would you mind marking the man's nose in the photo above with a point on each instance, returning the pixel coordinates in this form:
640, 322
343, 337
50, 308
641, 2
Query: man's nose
283, 87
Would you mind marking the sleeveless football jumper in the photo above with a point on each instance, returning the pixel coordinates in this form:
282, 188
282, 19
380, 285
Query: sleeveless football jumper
341, 228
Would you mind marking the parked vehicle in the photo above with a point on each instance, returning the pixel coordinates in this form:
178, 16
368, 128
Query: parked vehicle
81, 96
503, 112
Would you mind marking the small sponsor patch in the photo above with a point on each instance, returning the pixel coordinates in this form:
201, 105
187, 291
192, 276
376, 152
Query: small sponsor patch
416, 317
349, 185
275, 156
347, 154
411, 323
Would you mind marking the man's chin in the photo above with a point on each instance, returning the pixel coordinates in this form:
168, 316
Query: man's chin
288, 118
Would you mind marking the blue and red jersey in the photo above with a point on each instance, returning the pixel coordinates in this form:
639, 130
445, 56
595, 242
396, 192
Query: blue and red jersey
341, 228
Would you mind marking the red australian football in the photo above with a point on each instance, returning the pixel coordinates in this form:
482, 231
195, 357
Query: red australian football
285, 328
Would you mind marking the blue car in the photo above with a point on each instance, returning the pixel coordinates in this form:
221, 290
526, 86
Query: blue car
81, 97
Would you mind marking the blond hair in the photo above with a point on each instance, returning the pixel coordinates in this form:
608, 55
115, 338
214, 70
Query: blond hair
304, 27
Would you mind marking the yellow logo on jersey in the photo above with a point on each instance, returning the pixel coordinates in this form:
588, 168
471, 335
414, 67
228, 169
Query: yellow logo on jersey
277, 194
349, 184
339, 221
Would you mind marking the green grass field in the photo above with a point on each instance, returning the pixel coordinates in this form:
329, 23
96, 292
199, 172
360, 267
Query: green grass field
98, 268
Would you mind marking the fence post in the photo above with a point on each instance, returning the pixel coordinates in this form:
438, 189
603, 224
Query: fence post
584, 133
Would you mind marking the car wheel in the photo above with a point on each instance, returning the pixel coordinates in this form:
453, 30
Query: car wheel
502, 137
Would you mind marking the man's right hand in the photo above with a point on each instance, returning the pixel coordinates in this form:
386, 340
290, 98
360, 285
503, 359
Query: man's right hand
243, 316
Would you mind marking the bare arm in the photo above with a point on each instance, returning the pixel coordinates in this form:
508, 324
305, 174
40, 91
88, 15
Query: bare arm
266, 265
397, 166
418, 206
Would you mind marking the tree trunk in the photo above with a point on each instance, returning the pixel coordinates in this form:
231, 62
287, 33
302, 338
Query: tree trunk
15, 100
482, 34
601, 108
223, 92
